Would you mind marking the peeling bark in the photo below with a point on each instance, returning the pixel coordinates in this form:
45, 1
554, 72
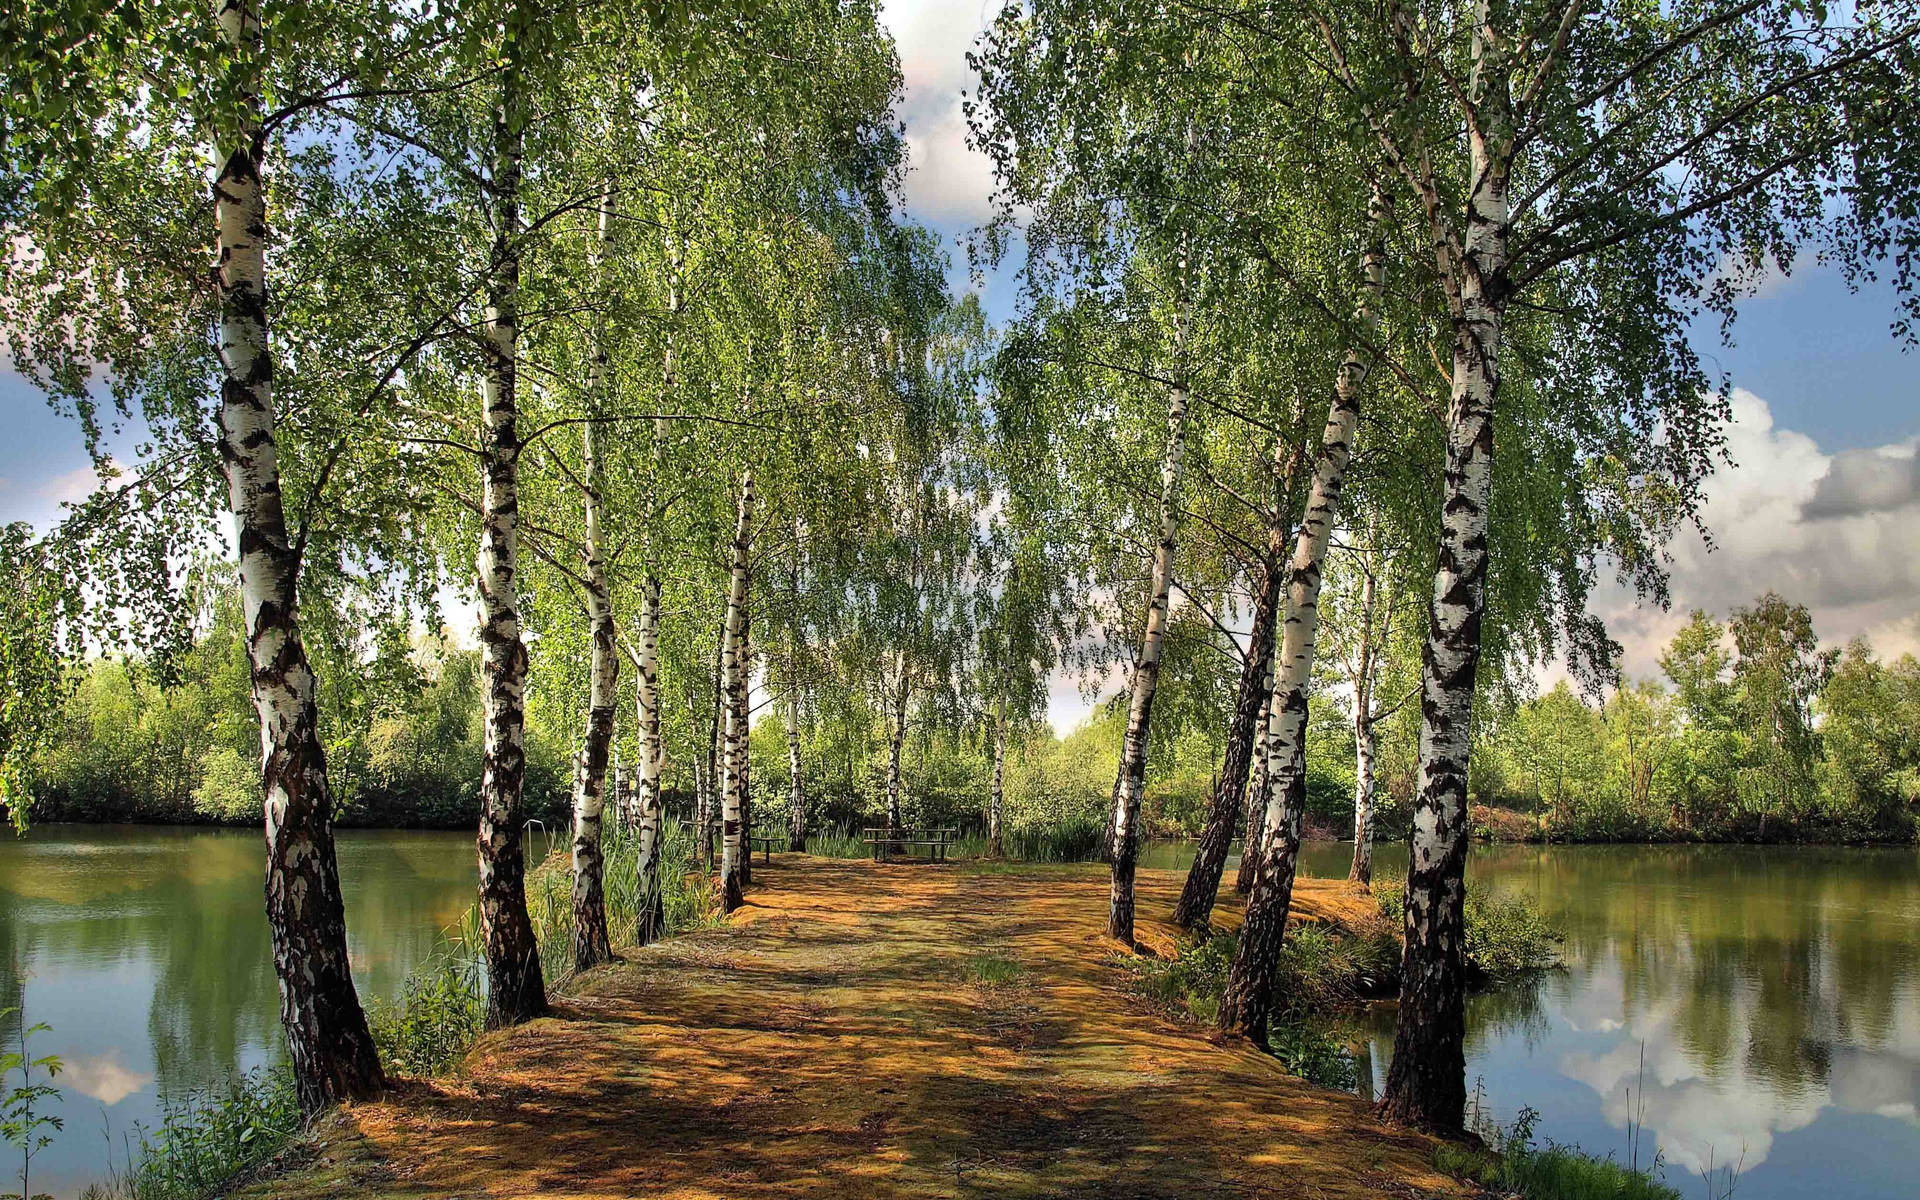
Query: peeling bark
516, 987
328, 1042
1245, 1005
1130, 780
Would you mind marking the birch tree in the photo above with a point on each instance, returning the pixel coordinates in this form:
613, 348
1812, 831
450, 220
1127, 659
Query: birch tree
105, 292
1245, 1004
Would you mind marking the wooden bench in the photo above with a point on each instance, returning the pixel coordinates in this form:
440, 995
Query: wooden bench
762, 837
888, 842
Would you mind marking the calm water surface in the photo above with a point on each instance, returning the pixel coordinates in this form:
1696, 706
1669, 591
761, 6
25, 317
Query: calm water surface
146, 951
1758, 1006
1751, 1006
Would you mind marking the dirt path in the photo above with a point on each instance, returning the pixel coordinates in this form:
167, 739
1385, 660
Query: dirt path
865, 1030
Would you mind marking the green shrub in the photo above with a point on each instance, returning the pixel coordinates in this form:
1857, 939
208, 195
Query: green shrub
1317, 976
440, 1011
229, 790
205, 1140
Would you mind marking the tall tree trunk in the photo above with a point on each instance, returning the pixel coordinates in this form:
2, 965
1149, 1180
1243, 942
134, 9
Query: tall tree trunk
716, 764
1256, 793
516, 989
996, 802
1426, 1082
1365, 795
796, 785
1363, 733
733, 670
650, 919
796, 782
743, 718
591, 943
1248, 998
331, 1050
1223, 813
1246, 733
896, 743
1130, 780
650, 923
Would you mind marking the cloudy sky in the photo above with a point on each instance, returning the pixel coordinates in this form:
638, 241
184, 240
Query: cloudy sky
1822, 504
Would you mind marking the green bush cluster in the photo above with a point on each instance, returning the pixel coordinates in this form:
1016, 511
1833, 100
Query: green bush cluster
206, 1140
441, 1009
1321, 975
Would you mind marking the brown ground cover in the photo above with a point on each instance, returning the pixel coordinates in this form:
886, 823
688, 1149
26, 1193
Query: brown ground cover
862, 1030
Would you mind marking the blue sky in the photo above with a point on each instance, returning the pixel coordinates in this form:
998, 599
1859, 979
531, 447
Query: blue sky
1827, 405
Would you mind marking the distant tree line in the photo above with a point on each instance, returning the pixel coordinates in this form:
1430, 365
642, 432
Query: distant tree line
1755, 731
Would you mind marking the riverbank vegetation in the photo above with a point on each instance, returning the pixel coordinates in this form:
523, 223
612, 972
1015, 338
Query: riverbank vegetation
596, 437
1756, 732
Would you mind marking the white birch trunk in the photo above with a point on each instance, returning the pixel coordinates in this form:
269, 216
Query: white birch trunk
649, 811
516, 989
1248, 998
1364, 800
331, 1050
1426, 1083
1363, 731
743, 719
796, 783
1131, 779
896, 743
997, 800
1256, 816
592, 943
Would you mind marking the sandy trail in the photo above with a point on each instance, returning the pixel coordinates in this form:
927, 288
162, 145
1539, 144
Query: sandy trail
836, 1038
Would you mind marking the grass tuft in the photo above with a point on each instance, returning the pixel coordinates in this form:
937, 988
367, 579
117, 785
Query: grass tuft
990, 969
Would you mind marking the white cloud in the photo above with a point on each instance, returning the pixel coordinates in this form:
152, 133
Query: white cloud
103, 1077
1828, 530
949, 182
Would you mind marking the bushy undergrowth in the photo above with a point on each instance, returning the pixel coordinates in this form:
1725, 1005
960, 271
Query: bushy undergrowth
687, 894
1320, 975
1507, 935
1516, 1167
439, 1012
206, 1140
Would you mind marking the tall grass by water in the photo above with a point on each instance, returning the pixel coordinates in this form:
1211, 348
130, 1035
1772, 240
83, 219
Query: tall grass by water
687, 893
1514, 1166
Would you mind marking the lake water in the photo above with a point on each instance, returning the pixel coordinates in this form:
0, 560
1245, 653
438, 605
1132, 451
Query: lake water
146, 951
1759, 1006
